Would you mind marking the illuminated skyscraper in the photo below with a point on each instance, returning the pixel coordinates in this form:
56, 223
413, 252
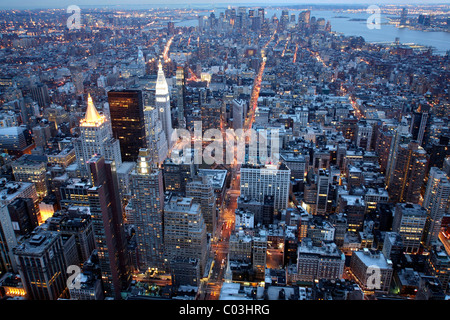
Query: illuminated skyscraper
162, 100
127, 121
436, 202
155, 136
109, 235
184, 231
180, 97
148, 204
400, 136
323, 186
95, 138
409, 173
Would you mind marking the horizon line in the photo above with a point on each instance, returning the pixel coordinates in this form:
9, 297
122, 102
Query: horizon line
201, 5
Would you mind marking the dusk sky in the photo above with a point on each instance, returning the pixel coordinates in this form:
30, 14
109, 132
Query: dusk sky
31, 4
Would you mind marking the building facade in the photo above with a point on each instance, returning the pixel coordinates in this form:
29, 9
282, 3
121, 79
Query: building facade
148, 205
126, 110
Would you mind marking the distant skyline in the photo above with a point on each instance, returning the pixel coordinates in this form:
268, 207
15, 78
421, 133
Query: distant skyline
31, 4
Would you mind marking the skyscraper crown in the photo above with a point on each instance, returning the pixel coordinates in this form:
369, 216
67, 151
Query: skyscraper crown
92, 116
161, 83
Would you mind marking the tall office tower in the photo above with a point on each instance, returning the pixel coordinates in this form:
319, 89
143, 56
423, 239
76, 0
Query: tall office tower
419, 122
201, 23
162, 101
242, 11
261, 13
39, 93
156, 137
403, 17
409, 173
269, 180
436, 202
409, 222
382, 146
323, 185
233, 14
180, 97
124, 179
202, 191
401, 136
95, 138
106, 212
238, 114
284, 19
184, 231
148, 204
42, 265
304, 17
126, 110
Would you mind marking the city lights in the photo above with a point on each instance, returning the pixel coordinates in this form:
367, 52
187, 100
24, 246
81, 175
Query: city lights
241, 153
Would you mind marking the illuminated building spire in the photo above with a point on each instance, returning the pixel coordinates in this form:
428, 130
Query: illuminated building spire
162, 98
92, 115
161, 84
95, 139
